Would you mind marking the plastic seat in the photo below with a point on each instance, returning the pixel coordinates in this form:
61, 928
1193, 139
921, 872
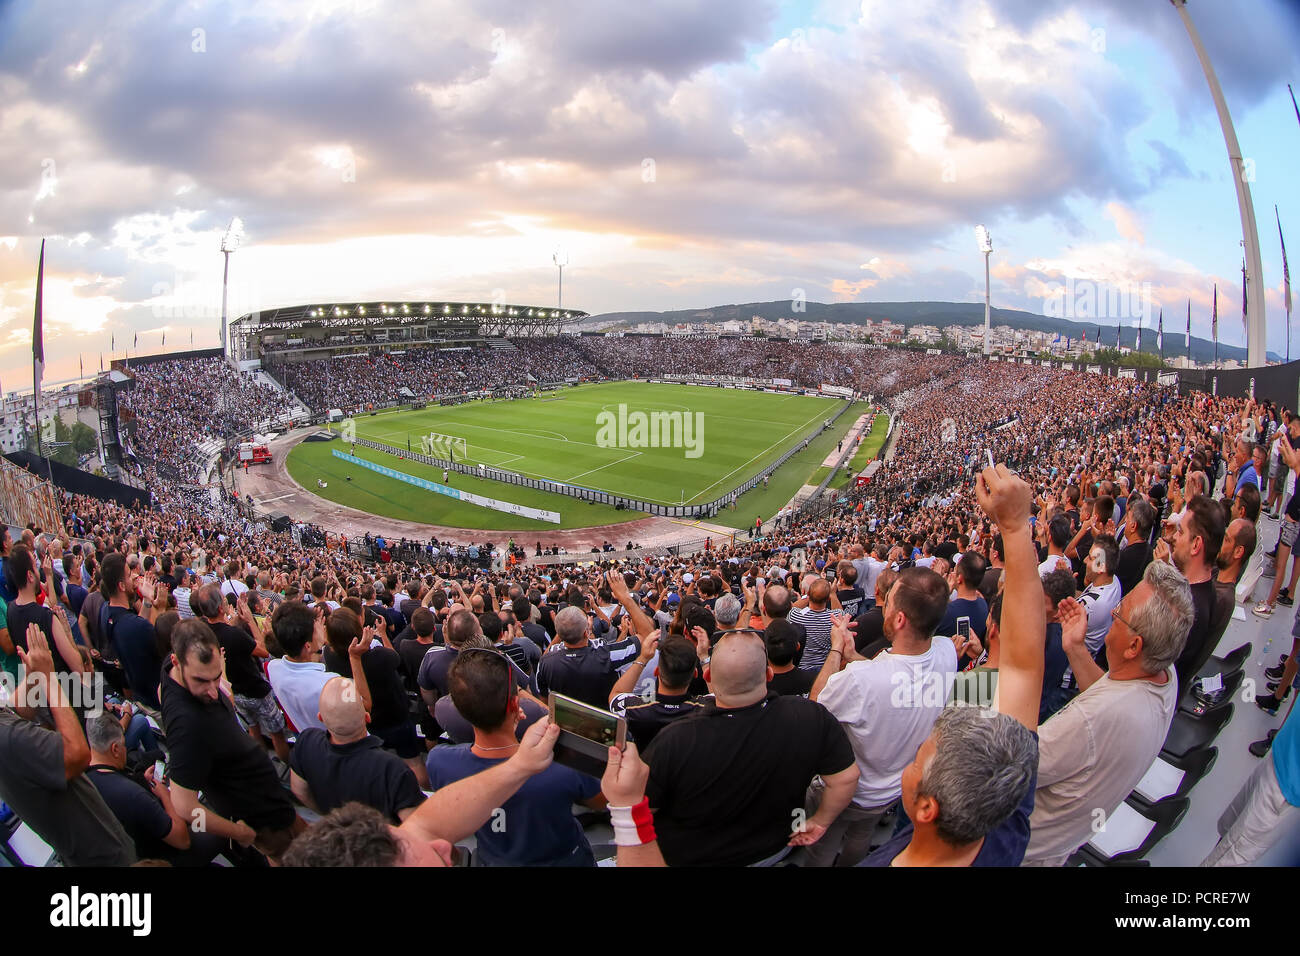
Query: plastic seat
1188, 732
25, 847
1234, 660
1172, 777
1189, 703
1130, 833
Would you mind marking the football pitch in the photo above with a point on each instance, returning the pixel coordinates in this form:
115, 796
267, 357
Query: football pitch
666, 444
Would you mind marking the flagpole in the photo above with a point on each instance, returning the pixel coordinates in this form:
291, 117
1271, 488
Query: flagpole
38, 360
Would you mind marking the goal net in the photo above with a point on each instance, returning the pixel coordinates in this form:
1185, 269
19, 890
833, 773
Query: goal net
444, 446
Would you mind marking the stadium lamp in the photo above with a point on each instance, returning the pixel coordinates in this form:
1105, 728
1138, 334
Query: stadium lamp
561, 259
986, 246
229, 243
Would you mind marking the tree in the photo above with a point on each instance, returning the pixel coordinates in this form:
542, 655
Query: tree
1131, 360
84, 440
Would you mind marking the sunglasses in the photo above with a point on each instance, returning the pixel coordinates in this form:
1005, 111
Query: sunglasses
719, 635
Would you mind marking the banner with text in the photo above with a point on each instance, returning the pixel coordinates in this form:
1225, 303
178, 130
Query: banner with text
479, 500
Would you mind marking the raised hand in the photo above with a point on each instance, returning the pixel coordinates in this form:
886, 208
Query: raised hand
623, 783
1074, 623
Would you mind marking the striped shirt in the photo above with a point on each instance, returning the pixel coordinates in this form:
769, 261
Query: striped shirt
818, 626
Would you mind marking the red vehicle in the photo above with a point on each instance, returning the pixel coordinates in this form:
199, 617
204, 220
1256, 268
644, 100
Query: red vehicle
250, 454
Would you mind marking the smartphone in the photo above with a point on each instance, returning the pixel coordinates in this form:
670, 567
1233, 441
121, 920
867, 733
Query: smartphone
989, 455
159, 770
586, 734
963, 628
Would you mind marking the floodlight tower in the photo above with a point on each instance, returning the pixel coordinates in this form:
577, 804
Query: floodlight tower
229, 243
986, 246
561, 259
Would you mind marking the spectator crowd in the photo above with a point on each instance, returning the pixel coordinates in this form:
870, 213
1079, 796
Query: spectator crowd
956, 664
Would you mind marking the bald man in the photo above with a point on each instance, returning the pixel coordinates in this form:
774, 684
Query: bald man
813, 613
344, 762
727, 786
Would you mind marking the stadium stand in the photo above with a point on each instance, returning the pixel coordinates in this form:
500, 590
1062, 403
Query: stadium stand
1085, 565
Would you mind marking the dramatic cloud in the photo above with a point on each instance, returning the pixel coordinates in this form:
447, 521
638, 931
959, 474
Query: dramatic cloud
686, 154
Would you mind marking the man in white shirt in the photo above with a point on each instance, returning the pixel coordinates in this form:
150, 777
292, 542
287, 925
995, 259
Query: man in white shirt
869, 567
886, 705
1094, 752
1059, 532
232, 585
298, 678
1102, 592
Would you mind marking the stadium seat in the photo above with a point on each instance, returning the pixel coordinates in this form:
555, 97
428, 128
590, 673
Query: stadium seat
1172, 778
1188, 732
1191, 704
24, 847
1225, 665
1129, 833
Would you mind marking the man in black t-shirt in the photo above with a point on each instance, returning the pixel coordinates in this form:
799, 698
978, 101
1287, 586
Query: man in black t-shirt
579, 670
673, 700
256, 705
726, 786
420, 641
133, 636
348, 763
1196, 547
28, 579
143, 806
782, 640
390, 711
210, 752
1139, 519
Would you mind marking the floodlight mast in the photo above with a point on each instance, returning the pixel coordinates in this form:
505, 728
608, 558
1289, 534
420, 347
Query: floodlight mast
561, 259
229, 243
986, 246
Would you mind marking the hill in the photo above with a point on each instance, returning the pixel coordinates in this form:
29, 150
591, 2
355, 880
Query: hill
940, 314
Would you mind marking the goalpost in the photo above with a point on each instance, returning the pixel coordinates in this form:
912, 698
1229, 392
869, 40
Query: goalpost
444, 446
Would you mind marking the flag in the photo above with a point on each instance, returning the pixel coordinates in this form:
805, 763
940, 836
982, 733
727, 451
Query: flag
1160, 332
1117, 331
1085, 336
101, 361
1188, 343
136, 345
164, 341
1243, 297
1286, 279
1139, 340
112, 342
38, 340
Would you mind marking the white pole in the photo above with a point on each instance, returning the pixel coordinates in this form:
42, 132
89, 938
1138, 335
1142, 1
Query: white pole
1256, 330
225, 276
987, 345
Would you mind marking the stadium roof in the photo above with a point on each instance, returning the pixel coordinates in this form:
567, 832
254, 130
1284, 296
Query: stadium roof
354, 315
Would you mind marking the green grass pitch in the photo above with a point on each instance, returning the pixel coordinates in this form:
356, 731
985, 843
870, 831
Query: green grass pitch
557, 436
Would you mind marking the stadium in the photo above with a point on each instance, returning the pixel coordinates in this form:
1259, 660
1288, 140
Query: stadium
407, 572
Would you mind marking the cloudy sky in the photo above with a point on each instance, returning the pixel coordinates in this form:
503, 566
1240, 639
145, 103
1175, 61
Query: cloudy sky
685, 154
